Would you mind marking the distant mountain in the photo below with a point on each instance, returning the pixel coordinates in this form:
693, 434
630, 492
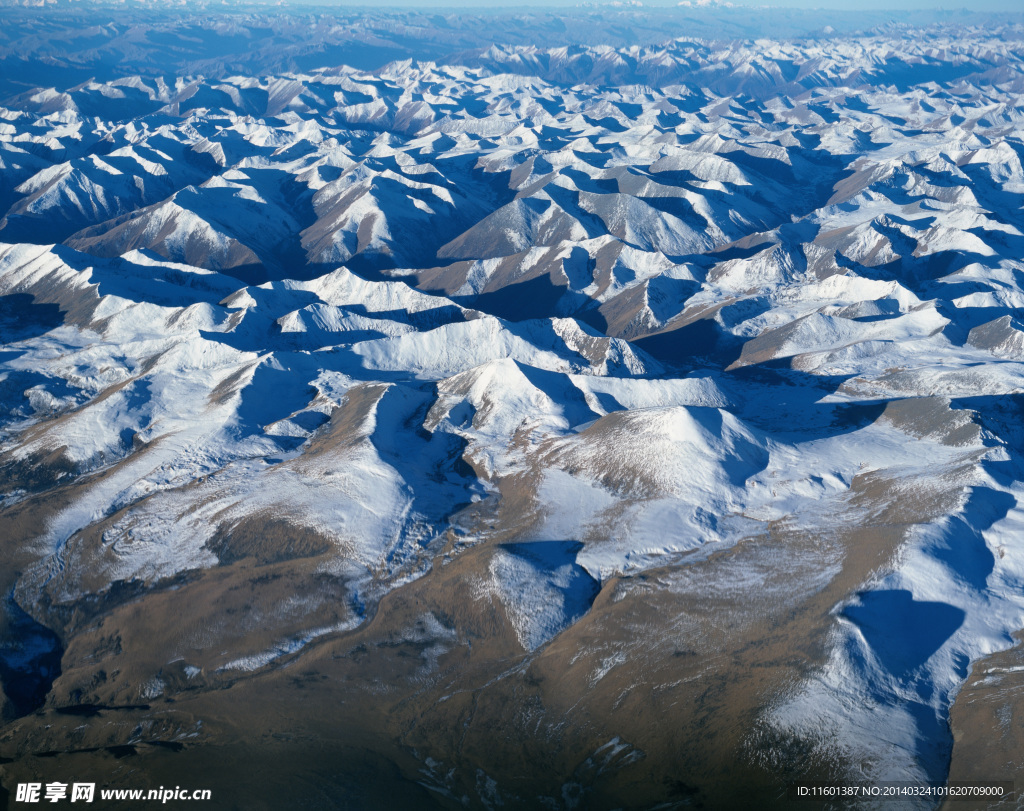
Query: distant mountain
77, 41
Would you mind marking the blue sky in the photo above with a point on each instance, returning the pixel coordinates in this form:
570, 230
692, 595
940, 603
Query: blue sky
875, 5
836, 5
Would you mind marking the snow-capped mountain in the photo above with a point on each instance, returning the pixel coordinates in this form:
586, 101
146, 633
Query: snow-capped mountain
589, 426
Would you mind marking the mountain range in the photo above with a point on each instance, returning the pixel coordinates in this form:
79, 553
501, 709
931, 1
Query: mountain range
526, 425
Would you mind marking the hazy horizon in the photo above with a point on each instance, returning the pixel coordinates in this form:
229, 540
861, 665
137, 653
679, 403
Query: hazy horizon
833, 6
